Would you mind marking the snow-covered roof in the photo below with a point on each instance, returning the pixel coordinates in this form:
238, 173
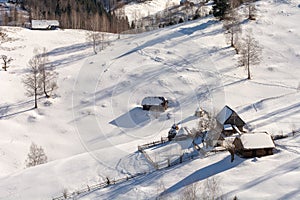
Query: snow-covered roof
43, 24
224, 114
183, 131
156, 101
256, 141
199, 109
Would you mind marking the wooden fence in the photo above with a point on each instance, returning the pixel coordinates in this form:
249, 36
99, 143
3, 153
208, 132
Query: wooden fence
141, 148
91, 188
152, 144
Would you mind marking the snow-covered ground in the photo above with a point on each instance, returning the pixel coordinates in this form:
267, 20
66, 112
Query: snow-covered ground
91, 127
135, 11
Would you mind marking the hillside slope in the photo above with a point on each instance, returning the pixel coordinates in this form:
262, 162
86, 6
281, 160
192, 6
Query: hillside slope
91, 127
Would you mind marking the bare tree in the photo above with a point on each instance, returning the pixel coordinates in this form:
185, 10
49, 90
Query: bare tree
160, 189
251, 11
234, 3
250, 52
212, 189
205, 123
136, 17
47, 75
103, 41
168, 12
31, 79
232, 25
3, 37
190, 192
6, 60
40, 78
120, 14
93, 36
186, 9
36, 156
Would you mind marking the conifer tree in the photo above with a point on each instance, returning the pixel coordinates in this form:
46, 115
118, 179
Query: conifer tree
220, 8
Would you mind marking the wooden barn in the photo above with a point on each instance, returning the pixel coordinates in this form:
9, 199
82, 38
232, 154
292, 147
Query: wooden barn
250, 145
229, 121
155, 103
44, 24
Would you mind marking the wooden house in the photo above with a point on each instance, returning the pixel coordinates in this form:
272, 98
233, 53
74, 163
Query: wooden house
155, 103
44, 24
229, 121
254, 145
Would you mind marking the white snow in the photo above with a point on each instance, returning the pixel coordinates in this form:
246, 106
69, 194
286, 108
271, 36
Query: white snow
91, 127
256, 141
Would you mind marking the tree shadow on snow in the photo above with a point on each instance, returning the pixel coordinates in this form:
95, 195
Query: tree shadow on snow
289, 167
276, 115
204, 173
72, 54
175, 34
70, 49
136, 117
188, 119
10, 110
191, 30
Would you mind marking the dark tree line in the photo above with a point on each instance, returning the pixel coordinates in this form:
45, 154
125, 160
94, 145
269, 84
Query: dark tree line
222, 7
77, 14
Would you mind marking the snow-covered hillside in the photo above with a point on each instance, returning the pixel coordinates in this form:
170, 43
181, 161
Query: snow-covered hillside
136, 11
91, 127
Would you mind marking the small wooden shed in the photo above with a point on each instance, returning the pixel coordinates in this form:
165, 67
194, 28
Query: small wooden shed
254, 145
229, 121
155, 103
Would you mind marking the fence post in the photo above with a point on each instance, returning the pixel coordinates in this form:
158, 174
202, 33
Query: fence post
107, 181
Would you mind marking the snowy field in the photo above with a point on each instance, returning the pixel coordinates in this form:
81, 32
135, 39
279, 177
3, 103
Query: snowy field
91, 127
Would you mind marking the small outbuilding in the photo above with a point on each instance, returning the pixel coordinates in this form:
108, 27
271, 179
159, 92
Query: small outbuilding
229, 121
44, 24
254, 145
155, 103
173, 131
200, 112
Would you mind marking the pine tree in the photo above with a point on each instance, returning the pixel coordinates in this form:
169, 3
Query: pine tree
74, 13
220, 8
58, 10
